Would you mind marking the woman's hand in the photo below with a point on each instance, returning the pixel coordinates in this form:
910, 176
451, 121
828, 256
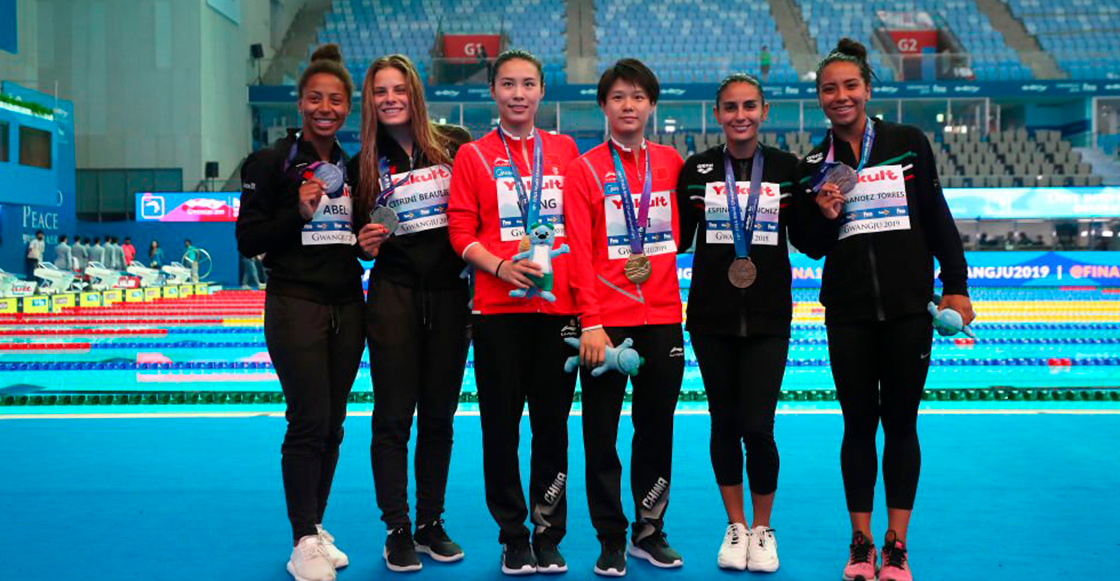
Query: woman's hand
517, 272
593, 347
830, 201
960, 304
371, 237
311, 192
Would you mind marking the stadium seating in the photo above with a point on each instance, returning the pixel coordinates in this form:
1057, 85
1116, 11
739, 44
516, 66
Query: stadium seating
991, 58
368, 29
1004, 159
691, 41
1082, 35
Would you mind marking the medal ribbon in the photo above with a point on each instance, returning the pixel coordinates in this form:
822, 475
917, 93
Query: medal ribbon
635, 225
530, 205
387, 185
743, 234
294, 149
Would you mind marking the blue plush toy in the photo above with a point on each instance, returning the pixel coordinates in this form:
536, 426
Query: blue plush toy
541, 237
623, 359
947, 321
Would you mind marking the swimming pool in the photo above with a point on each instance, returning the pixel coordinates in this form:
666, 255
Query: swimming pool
1034, 345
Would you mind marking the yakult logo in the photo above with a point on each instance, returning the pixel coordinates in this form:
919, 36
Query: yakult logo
881, 175
657, 202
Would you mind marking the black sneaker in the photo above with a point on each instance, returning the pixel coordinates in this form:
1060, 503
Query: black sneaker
549, 559
517, 558
400, 553
657, 551
612, 559
433, 541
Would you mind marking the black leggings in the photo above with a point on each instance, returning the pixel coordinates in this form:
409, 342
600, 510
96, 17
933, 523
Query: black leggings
743, 378
656, 390
880, 372
316, 350
418, 344
519, 358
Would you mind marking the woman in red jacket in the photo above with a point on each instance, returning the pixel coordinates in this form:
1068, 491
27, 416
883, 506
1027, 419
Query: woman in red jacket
505, 184
623, 216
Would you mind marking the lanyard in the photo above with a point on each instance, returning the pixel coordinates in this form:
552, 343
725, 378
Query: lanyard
743, 234
387, 185
829, 161
635, 225
528, 204
294, 150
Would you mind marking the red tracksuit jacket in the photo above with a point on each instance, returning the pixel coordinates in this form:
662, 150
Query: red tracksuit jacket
483, 210
597, 234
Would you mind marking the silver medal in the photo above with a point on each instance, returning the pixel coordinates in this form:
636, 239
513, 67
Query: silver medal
330, 175
843, 176
386, 217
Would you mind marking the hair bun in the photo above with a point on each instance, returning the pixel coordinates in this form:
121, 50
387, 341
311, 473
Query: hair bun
852, 48
327, 52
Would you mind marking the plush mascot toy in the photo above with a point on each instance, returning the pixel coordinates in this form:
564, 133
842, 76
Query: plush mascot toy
623, 359
947, 321
541, 237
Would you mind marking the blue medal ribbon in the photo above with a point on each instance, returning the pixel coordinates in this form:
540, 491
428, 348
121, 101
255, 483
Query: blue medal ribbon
743, 234
635, 224
386, 179
829, 162
530, 205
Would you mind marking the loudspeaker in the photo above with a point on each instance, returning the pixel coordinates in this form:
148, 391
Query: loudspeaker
256, 51
211, 169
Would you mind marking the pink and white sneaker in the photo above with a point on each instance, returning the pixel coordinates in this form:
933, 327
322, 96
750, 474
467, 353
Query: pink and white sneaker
894, 560
861, 559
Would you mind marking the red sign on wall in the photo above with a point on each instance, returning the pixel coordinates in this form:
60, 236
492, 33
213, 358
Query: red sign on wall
913, 41
470, 46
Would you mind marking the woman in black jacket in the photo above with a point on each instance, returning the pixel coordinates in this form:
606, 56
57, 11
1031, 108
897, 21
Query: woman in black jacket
417, 309
739, 308
296, 208
880, 232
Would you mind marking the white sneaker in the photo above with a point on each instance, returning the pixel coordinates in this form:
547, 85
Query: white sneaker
763, 550
310, 562
733, 550
337, 557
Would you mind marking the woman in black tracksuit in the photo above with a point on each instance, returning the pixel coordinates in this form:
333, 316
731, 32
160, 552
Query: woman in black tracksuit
417, 309
296, 209
880, 240
740, 334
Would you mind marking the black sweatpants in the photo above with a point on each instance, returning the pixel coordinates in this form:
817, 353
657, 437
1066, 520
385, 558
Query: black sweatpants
418, 343
316, 350
743, 379
519, 358
880, 372
656, 388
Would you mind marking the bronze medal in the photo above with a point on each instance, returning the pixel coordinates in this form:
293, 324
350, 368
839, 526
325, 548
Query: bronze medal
742, 273
524, 244
637, 268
